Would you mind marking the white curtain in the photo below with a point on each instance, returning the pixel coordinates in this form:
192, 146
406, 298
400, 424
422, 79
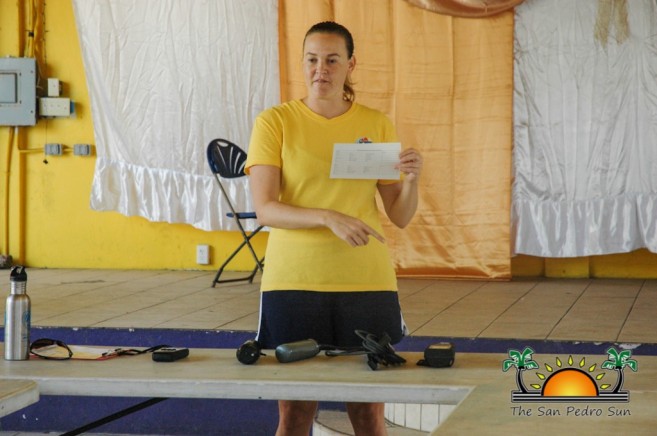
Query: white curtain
165, 77
585, 109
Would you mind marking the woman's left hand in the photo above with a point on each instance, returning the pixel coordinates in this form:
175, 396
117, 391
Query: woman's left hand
410, 163
400, 199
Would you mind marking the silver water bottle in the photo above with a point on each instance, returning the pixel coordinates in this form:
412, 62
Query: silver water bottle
17, 317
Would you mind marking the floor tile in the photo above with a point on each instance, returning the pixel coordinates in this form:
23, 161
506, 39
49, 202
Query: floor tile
554, 309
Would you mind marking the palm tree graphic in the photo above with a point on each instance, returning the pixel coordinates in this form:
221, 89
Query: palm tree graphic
522, 361
617, 362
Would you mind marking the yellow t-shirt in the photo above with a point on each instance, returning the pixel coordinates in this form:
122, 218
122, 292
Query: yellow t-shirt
300, 142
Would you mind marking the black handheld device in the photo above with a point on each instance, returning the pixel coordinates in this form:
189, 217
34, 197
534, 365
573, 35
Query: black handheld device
440, 355
170, 354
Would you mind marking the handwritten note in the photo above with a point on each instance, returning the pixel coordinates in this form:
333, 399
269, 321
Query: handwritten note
374, 160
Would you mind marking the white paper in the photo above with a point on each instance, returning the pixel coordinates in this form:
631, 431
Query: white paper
374, 160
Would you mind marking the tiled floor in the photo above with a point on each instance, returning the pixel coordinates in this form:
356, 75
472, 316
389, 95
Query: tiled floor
572, 310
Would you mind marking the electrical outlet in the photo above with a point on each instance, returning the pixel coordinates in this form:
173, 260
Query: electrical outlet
54, 107
54, 149
203, 254
54, 87
82, 150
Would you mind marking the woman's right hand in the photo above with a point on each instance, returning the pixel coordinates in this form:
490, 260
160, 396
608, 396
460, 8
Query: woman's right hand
265, 183
351, 230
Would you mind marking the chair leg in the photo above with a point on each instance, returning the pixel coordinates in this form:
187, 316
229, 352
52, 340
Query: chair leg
245, 242
248, 244
259, 266
223, 265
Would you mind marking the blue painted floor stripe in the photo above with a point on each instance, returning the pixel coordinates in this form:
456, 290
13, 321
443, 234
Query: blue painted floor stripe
233, 339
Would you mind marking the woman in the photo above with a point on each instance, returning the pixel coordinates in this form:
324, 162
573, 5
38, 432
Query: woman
328, 269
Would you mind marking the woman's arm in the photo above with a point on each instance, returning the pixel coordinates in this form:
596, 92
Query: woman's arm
265, 181
400, 199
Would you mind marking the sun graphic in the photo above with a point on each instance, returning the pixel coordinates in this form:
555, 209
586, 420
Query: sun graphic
570, 381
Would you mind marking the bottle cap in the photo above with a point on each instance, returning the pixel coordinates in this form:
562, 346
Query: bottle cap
18, 276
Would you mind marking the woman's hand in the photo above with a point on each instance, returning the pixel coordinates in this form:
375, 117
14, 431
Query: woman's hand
410, 163
400, 199
351, 230
265, 183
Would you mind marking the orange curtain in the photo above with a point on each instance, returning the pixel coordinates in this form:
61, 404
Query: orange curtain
447, 85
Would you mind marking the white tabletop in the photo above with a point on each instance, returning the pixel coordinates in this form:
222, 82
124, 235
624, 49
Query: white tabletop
216, 373
476, 383
17, 394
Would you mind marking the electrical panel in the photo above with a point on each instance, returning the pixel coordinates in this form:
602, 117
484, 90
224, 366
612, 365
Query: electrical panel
18, 81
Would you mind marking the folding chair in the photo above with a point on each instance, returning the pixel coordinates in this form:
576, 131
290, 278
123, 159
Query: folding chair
227, 161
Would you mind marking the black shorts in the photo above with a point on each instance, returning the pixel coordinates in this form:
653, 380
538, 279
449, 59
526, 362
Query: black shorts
330, 318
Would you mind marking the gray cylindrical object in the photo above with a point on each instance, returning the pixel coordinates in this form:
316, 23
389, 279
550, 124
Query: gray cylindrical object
17, 317
293, 351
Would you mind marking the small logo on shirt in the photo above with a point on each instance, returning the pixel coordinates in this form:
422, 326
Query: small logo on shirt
364, 140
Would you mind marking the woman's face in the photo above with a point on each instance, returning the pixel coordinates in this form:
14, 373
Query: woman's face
326, 65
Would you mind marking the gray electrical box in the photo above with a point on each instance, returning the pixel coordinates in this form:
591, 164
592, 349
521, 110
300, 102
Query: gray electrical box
18, 81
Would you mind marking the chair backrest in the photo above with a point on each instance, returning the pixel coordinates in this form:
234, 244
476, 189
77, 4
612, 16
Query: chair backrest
226, 159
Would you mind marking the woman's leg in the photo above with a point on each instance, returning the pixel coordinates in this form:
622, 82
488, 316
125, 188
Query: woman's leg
367, 419
295, 418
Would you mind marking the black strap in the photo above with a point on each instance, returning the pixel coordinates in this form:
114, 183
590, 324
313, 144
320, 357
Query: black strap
45, 342
134, 351
115, 416
378, 350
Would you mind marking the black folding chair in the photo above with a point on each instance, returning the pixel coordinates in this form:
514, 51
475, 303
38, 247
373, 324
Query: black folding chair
227, 161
